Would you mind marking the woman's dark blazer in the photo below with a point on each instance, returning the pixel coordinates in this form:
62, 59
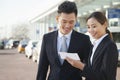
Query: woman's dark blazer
79, 43
104, 65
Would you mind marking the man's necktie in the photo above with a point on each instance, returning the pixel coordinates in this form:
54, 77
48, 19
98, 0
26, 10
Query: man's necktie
63, 45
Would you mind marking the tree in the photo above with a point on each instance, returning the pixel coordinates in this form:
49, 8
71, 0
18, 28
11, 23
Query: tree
20, 31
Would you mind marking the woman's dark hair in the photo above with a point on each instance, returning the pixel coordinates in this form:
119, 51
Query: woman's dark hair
100, 17
67, 7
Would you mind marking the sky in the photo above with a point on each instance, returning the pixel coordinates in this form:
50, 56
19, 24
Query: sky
20, 11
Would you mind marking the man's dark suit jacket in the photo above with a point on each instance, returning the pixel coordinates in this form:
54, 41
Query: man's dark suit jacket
79, 43
104, 63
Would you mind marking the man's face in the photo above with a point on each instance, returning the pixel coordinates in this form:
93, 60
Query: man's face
66, 22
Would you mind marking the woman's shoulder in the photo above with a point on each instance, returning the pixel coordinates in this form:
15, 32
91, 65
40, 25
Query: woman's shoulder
108, 42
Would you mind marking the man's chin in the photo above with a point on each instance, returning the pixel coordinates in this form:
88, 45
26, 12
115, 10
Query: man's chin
66, 32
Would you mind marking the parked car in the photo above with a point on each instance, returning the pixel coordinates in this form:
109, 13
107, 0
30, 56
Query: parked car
29, 48
11, 44
15, 43
36, 52
1, 44
21, 46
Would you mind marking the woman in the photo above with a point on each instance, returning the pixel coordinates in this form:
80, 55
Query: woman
103, 58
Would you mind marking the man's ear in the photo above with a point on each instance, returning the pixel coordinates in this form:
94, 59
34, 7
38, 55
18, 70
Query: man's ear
57, 18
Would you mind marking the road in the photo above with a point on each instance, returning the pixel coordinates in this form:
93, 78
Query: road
15, 66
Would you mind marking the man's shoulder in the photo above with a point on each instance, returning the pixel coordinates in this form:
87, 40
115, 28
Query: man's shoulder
80, 34
50, 33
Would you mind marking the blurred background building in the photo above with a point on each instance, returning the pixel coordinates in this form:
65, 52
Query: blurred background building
45, 22
111, 8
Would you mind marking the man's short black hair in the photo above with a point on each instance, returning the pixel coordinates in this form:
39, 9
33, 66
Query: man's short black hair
67, 7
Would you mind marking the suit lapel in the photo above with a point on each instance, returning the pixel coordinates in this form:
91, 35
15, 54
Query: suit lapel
71, 45
55, 53
55, 42
99, 48
89, 63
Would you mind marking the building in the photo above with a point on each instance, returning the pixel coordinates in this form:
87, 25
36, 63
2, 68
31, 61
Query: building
45, 21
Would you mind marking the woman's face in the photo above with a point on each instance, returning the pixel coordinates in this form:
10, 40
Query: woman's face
96, 29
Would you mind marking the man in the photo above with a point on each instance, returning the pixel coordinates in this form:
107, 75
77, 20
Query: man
51, 45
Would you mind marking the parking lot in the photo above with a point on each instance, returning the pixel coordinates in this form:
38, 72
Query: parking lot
15, 66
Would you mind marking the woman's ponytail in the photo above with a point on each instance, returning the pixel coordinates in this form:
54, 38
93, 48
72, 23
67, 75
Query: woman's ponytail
109, 33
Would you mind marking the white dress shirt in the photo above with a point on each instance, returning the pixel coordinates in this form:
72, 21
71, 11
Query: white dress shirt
59, 38
95, 45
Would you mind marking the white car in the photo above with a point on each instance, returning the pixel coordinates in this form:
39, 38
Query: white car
36, 52
9, 44
29, 48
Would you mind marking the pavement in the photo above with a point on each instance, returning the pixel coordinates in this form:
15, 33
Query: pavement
118, 74
15, 66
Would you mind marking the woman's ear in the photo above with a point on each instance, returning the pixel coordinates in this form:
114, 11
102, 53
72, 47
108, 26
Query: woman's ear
106, 24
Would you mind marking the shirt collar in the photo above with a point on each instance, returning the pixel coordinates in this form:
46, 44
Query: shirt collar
67, 35
99, 40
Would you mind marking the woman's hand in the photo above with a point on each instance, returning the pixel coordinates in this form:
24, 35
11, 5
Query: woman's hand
75, 63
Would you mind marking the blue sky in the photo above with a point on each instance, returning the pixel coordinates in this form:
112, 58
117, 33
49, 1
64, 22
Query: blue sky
16, 11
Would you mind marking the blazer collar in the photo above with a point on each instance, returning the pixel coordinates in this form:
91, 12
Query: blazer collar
72, 39
55, 53
57, 60
100, 47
